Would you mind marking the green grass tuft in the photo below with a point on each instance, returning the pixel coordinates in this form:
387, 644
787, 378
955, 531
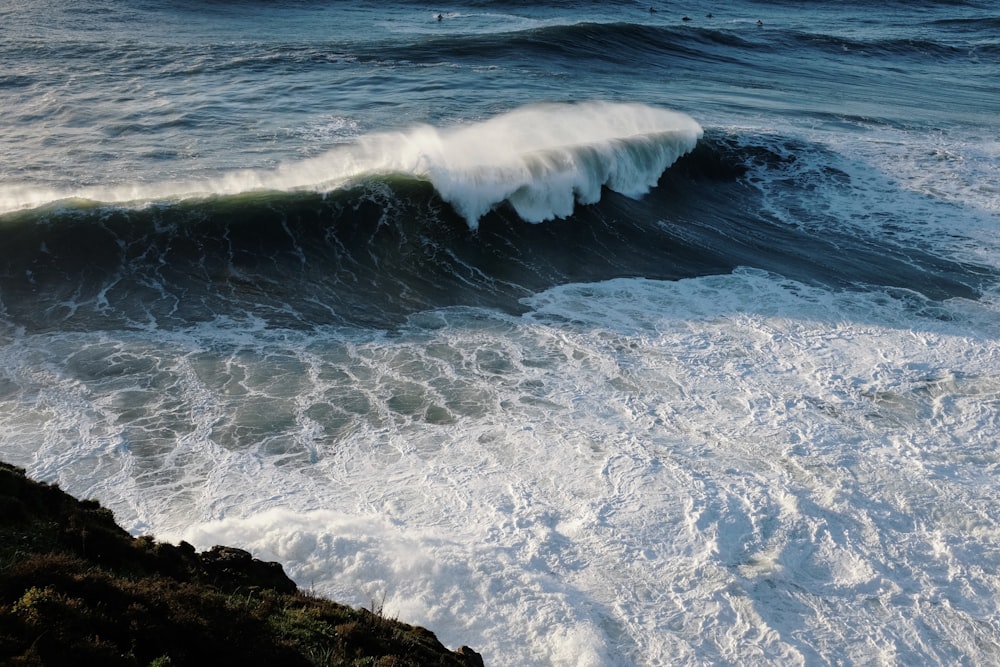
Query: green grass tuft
77, 589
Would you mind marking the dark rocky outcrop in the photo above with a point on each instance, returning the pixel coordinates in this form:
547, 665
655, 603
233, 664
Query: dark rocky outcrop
75, 588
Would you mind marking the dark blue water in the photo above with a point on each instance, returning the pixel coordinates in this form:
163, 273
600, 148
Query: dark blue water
582, 333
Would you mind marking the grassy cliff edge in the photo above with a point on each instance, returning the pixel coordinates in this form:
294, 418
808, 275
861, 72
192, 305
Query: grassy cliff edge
75, 588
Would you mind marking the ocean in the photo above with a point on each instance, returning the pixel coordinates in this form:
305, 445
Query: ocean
581, 333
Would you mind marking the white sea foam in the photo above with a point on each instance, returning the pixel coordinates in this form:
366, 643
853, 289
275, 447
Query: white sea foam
542, 159
735, 469
907, 186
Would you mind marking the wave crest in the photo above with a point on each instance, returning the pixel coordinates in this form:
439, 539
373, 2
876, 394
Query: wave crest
542, 159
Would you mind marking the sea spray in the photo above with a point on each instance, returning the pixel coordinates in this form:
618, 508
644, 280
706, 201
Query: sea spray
543, 158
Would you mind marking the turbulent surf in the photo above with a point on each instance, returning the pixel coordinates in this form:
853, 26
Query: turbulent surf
580, 334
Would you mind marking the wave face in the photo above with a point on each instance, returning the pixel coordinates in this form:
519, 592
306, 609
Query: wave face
579, 333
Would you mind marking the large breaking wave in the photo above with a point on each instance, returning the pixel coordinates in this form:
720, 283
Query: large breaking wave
373, 253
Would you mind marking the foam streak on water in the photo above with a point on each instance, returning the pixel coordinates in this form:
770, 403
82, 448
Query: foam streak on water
633, 472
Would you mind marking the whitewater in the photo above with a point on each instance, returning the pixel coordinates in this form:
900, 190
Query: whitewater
579, 335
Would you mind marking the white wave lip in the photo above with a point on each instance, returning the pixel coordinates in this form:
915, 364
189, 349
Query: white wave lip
543, 159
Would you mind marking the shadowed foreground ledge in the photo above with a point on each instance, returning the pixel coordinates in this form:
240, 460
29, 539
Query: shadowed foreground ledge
75, 588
